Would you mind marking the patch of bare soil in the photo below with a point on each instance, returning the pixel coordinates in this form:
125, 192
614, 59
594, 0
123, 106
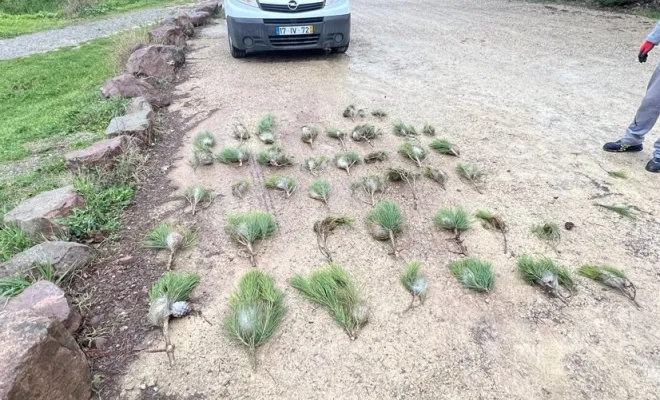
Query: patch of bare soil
515, 88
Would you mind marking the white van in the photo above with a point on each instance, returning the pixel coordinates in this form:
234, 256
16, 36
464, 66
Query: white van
263, 25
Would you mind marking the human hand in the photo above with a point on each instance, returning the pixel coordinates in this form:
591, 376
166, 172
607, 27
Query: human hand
644, 51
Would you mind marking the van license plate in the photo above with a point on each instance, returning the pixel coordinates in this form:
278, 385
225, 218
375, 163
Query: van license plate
294, 30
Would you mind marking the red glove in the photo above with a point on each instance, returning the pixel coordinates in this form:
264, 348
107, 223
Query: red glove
644, 51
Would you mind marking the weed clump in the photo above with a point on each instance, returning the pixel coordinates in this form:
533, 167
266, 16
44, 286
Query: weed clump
275, 157
493, 221
437, 176
347, 160
255, 311
403, 130
316, 164
324, 228
474, 274
239, 189
471, 173
371, 185
320, 190
385, 222
414, 282
414, 152
198, 195
444, 146
168, 298
548, 275
332, 288
232, 155
282, 183
309, 135
166, 236
247, 228
376, 156
266, 129
611, 277
455, 220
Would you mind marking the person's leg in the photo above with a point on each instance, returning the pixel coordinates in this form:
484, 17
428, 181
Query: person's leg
647, 114
654, 164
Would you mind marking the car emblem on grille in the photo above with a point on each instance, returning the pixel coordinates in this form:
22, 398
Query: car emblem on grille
293, 5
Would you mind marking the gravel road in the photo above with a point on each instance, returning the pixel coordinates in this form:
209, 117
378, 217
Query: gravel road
72, 35
529, 93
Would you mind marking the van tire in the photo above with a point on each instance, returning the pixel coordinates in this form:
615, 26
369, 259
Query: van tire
236, 52
340, 50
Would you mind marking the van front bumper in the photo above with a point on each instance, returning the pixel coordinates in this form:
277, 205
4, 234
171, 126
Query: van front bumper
252, 34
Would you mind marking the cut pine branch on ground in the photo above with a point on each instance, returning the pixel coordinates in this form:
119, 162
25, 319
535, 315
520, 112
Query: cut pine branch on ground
495, 222
167, 236
256, 310
551, 277
247, 228
324, 228
372, 185
611, 277
385, 222
415, 283
474, 274
455, 220
332, 288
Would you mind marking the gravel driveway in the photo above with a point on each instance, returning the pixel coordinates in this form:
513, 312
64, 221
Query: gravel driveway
41, 42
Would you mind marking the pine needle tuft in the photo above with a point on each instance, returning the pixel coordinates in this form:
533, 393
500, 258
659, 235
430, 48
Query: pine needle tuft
414, 152
620, 209
239, 189
282, 183
376, 156
428, 130
365, 133
316, 164
320, 190
332, 288
474, 274
385, 222
309, 134
233, 155
275, 157
197, 195
611, 277
204, 141
166, 236
414, 282
547, 231
247, 228
347, 160
452, 219
240, 132
266, 129
339, 135
371, 185
444, 146
437, 176
548, 275
380, 114
256, 310
471, 173
403, 130
352, 112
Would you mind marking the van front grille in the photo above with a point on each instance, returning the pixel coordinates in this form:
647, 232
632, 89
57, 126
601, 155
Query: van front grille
284, 8
302, 40
293, 21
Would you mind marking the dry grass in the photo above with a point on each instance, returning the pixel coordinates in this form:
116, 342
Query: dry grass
123, 43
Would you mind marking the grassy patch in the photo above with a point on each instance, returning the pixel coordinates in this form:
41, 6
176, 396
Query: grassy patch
18, 17
12, 241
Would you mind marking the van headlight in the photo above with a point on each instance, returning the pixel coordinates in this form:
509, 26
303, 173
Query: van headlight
252, 3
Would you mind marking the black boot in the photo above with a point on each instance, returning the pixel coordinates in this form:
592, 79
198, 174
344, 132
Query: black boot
618, 147
653, 165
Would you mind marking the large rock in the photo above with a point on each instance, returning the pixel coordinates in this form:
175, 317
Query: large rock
210, 7
37, 215
101, 154
168, 34
64, 257
40, 359
46, 298
137, 123
129, 86
183, 21
199, 18
157, 60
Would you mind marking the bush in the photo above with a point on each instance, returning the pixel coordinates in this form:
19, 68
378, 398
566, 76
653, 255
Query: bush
29, 6
614, 3
123, 43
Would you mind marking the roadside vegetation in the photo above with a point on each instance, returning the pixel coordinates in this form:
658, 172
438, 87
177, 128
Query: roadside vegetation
18, 17
646, 8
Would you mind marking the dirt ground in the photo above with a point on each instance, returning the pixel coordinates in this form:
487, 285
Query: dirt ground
529, 93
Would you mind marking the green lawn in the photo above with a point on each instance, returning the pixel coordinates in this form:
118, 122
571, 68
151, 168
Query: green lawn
50, 98
16, 21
